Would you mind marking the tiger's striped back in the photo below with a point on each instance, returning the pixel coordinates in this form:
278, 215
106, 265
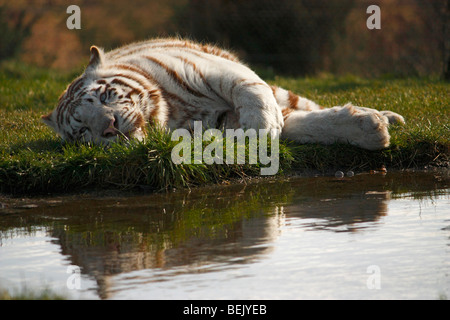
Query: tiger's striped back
169, 44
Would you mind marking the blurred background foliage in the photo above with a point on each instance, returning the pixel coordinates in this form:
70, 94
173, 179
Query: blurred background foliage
291, 37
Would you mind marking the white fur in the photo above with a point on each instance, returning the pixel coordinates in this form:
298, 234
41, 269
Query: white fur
348, 124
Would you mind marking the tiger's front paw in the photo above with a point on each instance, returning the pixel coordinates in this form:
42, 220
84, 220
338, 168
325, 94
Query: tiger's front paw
254, 118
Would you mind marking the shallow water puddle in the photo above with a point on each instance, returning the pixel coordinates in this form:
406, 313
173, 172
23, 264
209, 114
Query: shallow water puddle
364, 237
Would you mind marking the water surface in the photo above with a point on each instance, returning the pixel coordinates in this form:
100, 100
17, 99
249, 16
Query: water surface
371, 236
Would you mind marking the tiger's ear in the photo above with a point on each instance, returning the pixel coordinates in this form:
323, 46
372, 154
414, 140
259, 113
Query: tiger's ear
49, 119
96, 58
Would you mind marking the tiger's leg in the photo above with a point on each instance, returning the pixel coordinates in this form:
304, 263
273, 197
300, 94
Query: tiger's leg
252, 102
306, 122
289, 101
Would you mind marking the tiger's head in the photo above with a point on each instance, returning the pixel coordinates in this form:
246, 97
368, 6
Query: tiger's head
98, 107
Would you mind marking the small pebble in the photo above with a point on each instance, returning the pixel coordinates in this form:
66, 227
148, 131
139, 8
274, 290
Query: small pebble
339, 174
350, 174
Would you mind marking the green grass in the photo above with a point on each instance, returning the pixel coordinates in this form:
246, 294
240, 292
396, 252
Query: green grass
33, 159
26, 294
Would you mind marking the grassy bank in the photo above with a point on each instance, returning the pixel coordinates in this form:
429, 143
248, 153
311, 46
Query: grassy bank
33, 159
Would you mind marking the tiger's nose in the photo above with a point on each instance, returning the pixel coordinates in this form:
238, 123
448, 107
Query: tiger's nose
111, 130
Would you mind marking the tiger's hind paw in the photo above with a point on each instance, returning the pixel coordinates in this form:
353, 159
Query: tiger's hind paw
393, 118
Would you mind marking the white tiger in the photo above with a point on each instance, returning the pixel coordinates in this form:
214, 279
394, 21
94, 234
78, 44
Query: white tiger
174, 82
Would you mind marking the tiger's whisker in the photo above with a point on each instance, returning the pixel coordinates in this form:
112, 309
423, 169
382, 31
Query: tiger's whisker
123, 135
